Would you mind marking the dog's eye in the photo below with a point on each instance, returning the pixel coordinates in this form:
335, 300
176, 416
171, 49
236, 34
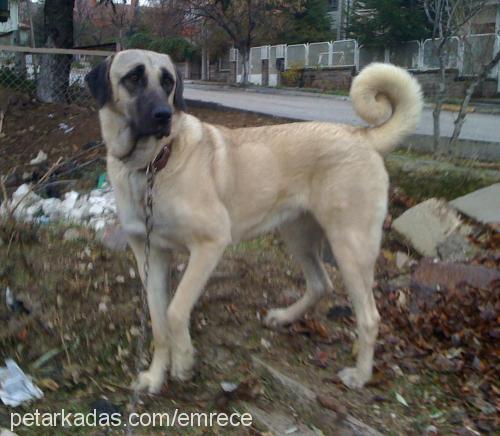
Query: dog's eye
167, 83
134, 78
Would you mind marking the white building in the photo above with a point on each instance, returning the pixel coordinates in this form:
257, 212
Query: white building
12, 31
488, 20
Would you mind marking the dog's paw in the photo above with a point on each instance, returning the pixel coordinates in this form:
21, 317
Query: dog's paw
352, 378
182, 362
148, 381
276, 318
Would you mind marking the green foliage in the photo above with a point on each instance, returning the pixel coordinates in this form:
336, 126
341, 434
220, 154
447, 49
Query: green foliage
140, 40
311, 24
292, 76
10, 79
178, 48
388, 22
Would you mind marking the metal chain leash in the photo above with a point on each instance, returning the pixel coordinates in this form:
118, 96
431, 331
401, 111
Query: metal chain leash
150, 179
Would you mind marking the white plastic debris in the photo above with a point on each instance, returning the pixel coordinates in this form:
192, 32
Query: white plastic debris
96, 209
65, 128
69, 201
15, 386
52, 208
9, 297
41, 157
228, 386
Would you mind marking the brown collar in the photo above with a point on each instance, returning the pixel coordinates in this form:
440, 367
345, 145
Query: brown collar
161, 159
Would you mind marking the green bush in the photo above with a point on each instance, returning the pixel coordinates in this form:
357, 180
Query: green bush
140, 40
292, 76
178, 48
10, 79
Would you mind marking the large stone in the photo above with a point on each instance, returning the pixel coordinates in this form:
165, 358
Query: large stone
72, 234
113, 237
292, 392
483, 205
277, 423
427, 225
456, 248
445, 275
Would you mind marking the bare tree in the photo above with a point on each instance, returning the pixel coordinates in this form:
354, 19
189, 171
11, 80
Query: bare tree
240, 19
85, 31
164, 18
478, 80
448, 18
121, 15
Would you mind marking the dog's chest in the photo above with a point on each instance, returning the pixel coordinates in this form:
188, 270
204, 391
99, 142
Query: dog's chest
130, 197
131, 201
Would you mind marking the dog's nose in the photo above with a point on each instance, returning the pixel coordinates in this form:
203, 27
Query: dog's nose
162, 114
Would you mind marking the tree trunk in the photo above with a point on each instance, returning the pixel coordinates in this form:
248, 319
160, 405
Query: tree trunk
53, 81
440, 97
246, 65
483, 74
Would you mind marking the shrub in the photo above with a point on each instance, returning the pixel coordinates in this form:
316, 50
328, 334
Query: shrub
139, 40
292, 76
178, 48
10, 79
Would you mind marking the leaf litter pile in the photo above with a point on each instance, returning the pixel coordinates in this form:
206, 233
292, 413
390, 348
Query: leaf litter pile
73, 318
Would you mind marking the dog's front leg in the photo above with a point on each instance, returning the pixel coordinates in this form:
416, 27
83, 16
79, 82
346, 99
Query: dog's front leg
157, 295
202, 261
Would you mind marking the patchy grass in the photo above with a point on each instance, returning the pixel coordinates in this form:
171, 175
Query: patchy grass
80, 307
422, 176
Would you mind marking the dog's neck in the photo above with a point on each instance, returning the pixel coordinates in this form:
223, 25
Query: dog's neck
161, 159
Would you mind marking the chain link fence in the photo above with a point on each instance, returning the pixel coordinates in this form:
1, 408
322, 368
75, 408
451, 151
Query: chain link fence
50, 75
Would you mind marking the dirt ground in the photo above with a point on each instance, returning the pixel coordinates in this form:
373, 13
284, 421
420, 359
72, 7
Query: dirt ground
75, 327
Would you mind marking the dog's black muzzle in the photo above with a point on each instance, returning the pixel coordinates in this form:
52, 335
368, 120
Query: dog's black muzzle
153, 116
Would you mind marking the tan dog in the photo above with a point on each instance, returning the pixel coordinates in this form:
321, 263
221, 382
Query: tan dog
221, 186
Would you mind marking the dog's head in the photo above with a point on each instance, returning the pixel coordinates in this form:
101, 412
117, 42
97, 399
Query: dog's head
144, 90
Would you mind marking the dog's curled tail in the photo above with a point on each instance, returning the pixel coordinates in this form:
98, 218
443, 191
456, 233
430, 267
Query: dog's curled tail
390, 99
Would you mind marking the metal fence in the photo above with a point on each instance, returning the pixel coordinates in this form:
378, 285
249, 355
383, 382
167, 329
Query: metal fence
51, 75
466, 55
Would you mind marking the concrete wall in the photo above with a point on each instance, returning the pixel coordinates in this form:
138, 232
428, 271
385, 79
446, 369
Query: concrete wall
340, 79
329, 78
217, 75
456, 85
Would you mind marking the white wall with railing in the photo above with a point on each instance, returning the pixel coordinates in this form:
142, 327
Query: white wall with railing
465, 54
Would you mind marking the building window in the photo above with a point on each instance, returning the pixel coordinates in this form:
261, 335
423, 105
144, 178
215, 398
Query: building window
4, 11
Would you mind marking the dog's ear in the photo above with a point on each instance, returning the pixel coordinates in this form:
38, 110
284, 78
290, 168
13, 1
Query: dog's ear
99, 83
179, 102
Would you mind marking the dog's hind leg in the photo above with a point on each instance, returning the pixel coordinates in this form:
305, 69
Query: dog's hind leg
354, 235
303, 238
157, 295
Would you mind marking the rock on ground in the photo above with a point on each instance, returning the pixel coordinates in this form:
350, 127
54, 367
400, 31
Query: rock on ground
482, 205
456, 248
437, 275
72, 234
113, 237
427, 225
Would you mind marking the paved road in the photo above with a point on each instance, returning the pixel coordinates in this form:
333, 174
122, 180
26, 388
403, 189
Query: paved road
481, 127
